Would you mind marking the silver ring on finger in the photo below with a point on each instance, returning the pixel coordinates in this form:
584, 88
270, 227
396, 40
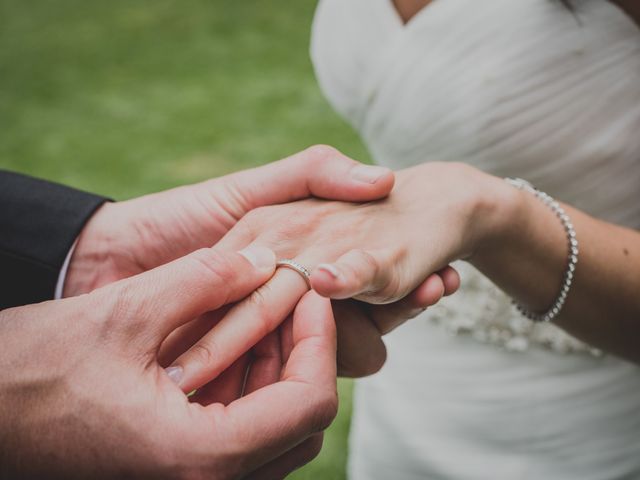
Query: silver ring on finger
296, 267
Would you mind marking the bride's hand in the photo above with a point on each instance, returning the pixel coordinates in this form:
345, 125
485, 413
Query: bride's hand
376, 252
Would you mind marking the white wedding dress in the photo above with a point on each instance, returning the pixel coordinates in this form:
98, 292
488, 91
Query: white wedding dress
517, 88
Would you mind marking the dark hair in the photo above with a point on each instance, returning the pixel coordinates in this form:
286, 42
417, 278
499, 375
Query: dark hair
630, 7
567, 3
570, 7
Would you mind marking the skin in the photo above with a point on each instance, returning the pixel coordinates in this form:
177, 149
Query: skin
147, 321
82, 394
438, 212
407, 9
126, 238
585, 321
142, 287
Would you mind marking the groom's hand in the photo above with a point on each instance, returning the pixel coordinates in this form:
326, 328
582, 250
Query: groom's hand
83, 396
126, 238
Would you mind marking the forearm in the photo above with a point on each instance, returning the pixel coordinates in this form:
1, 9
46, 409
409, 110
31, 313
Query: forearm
527, 260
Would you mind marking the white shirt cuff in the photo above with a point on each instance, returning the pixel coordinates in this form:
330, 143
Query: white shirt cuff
63, 273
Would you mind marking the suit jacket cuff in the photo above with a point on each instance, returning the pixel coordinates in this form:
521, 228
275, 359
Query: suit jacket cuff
39, 222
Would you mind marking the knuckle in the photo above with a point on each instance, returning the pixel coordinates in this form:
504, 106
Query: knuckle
390, 285
368, 260
389, 291
255, 216
325, 410
321, 156
118, 305
203, 353
297, 227
114, 315
280, 226
321, 153
361, 267
263, 223
217, 266
243, 229
263, 310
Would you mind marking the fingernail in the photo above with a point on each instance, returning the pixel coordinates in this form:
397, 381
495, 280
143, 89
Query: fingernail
327, 267
174, 373
368, 174
260, 257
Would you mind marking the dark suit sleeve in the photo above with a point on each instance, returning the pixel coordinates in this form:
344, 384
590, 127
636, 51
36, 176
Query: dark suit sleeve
39, 221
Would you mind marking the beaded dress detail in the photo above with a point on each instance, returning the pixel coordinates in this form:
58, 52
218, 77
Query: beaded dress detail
487, 315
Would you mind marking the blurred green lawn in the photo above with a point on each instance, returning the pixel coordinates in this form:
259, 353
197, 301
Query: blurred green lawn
129, 97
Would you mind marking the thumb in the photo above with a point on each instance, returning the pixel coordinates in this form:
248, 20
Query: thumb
162, 299
319, 171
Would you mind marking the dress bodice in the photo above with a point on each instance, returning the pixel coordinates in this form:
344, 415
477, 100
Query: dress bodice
517, 88
522, 88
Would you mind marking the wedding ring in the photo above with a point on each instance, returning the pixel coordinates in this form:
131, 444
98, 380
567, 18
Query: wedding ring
296, 267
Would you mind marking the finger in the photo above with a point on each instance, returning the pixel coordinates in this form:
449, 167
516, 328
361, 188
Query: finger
356, 273
290, 461
245, 324
272, 420
361, 351
160, 300
319, 171
450, 279
227, 387
441, 284
428, 293
286, 339
314, 333
266, 364
185, 336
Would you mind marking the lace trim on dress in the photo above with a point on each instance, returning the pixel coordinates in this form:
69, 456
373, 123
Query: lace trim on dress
484, 312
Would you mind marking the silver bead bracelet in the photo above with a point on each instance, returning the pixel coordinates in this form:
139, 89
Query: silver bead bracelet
555, 309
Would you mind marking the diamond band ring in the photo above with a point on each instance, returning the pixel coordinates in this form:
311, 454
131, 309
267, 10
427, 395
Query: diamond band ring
296, 267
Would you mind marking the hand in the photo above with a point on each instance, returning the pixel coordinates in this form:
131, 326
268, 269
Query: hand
361, 326
126, 238
83, 396
378, 253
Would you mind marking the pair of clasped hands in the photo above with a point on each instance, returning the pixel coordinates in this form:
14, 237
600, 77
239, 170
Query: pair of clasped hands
178, 291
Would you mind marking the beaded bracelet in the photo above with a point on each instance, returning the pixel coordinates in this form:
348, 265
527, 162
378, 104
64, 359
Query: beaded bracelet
555, 309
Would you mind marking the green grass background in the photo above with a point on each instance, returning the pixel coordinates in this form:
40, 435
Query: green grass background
126, 97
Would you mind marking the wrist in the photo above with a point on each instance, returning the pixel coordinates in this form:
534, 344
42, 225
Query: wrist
477, 206
91, 256
500, 214
526, 254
